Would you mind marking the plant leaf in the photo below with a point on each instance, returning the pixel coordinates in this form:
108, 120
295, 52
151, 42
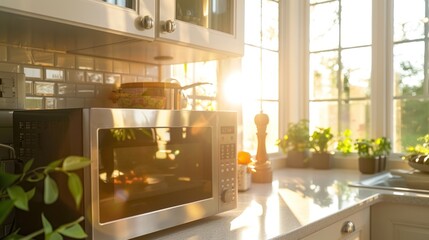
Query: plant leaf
27, 166
54, 236
15, 236
7, 179
6, 206
74, 231
74, 162
51, 190
19, 197
47, 227
75, 187
53, 165
30, 194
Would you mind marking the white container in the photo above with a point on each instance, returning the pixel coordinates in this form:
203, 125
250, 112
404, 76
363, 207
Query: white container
244, 177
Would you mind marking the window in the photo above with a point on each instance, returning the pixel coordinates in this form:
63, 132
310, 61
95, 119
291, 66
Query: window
340, 65
372, 84
410, 68
260, 69
200, 97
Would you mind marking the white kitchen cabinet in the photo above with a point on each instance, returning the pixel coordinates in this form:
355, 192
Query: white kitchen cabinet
359, 228
211, 24
137, 32
133, 21
399, 221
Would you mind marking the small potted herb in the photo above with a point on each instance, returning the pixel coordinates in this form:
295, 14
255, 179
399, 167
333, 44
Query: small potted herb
295, 143
371, 152
320, 140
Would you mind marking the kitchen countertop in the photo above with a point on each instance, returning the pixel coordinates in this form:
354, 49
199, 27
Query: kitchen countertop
297, 203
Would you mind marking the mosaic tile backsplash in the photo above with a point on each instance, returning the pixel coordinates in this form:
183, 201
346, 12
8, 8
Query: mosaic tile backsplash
57, 80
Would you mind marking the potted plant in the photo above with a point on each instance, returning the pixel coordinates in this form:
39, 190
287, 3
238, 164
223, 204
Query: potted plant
319, 142
13, 194
383, 146
368, 162
371, 152
295, 143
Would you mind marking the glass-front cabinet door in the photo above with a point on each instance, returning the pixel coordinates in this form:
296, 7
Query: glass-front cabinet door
131, 18
213, 24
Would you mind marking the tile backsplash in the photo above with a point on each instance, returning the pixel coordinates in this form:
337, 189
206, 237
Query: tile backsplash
59, 80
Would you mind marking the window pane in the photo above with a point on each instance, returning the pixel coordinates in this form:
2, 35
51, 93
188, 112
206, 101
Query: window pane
251, 71
252, 26
324, 26
270, 73
356, 32
408, 68
270, 23
324, 114
409, 19
356, 72
355, 115
411, 118
323, 75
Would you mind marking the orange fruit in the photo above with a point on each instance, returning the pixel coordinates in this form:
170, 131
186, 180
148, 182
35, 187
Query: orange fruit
244, 157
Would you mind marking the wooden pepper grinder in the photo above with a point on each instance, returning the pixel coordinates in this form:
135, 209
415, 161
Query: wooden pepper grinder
262, 166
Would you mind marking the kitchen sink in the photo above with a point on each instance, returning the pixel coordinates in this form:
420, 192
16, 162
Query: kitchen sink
397, 180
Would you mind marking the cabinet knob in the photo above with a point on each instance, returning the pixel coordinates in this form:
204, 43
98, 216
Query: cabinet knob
348, 227
169, 26
147, 22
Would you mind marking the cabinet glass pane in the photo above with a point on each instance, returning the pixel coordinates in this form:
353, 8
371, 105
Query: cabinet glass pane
122, 3
213, 14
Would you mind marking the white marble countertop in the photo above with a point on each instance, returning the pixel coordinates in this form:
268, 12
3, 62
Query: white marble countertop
296, 203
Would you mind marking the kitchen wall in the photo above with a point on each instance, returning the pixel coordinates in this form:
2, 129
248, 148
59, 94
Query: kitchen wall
60, 80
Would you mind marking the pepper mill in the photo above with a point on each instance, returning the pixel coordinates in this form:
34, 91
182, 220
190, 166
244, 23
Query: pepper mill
262, 166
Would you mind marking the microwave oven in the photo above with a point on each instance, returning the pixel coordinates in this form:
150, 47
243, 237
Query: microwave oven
150, 169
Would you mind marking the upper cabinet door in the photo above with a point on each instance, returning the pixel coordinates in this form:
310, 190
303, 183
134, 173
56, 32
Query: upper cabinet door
210, 24
131, 18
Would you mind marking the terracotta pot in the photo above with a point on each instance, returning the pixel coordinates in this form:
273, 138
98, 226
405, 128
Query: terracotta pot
369, 165
297, 159
321, 160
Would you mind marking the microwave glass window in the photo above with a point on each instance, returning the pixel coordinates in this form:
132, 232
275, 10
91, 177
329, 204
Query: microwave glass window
147, 169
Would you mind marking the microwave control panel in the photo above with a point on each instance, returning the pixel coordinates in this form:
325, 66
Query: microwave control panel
228, 168
12, 87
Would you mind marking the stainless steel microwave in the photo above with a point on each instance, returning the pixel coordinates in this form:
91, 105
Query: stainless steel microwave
150, 169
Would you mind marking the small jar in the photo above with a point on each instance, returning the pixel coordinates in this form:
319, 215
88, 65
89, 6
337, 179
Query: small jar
244, 177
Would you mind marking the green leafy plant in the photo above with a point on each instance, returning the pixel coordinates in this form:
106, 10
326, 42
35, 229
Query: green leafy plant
415, 153
320, 139
373, 147
296, 138
345, 143
13, 195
